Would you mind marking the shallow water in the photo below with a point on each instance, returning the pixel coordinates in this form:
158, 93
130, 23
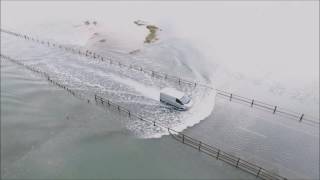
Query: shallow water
274, 142
135, 90
46, 133
284, 146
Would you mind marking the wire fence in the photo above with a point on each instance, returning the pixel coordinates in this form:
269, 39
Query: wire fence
212, 151
226, 157
197, 144
46, 76
299, 117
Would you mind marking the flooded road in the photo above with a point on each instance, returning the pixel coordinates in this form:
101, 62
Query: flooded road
46, 133
266, 51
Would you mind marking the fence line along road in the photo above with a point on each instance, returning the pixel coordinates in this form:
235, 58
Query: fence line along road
181, 137
253, 103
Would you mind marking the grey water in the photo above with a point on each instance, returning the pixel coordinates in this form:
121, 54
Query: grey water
53, 136
46, 133
135, 90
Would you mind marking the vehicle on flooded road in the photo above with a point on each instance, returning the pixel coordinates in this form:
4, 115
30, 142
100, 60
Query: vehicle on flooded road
176, 98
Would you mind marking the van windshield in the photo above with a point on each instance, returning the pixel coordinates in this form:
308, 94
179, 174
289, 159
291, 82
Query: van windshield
178, 101
185, 99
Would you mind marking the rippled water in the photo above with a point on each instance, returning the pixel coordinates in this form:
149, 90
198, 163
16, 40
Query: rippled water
135, 90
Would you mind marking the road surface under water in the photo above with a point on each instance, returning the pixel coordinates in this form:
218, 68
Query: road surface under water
284, 146
46, 133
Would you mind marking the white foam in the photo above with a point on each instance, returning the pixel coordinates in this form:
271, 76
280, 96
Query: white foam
199, 111
202, 108
147, 91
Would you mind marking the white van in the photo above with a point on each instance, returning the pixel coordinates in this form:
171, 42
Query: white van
175, 98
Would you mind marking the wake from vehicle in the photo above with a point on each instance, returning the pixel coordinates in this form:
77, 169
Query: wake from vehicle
147, 91
135, 90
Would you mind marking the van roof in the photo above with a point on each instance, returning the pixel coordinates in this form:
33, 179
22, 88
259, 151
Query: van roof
173, 92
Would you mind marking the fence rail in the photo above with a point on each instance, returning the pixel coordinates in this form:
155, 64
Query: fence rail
226, 157
299, 117
199, 145
181, 137
270, 108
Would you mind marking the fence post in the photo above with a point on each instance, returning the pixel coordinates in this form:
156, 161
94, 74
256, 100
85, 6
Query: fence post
238, 163
199, 145
301, 117
275, 109
252, 102
230, 96
179, 81
102, 101
259, 172
195, 84
218, 154
183, 138
154, 123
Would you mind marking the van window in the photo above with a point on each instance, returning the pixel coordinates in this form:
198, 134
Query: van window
178, 101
